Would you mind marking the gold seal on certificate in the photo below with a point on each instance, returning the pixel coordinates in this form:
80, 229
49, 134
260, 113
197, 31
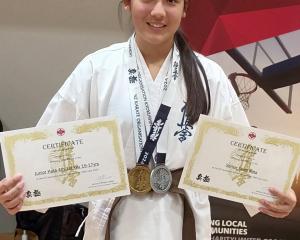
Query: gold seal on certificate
239, 163
139, 179
67, 163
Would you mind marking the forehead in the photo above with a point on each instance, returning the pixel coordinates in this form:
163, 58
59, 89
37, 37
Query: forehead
130, 1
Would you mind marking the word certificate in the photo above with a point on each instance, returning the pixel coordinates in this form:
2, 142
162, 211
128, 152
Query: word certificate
67, 163
239, 163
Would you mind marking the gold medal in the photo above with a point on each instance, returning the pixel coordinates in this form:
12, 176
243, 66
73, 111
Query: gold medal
139, 179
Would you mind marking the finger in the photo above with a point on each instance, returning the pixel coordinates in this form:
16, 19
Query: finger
15, 202
289, 197
16, 209
13, 193
2, 189
275, 207
3, 186
273, 214
8, 183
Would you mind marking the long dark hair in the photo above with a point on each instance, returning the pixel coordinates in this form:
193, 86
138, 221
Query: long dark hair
198, 100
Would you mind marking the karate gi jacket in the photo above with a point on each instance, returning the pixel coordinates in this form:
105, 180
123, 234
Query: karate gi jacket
99, 86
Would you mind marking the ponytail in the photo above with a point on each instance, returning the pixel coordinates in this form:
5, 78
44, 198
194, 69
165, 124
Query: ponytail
198, 101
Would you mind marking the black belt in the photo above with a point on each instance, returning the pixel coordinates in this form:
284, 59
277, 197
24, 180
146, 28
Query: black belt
188, 229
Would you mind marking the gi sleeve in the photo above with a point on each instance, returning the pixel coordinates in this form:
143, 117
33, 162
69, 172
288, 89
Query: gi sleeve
71, 102
96, 221
225, 103
201, 210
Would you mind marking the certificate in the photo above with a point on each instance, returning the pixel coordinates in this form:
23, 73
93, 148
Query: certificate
239, 163
67, 163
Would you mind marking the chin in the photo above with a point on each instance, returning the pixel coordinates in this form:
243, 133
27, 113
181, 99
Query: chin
157, 39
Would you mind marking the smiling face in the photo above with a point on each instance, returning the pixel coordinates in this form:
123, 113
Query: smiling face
156, 21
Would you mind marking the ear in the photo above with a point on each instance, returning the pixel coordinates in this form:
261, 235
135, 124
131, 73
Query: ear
126, 4
186, 5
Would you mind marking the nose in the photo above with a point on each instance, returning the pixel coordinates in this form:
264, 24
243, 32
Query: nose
158, 9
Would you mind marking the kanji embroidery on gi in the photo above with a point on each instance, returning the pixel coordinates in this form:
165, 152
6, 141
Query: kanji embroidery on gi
185, 127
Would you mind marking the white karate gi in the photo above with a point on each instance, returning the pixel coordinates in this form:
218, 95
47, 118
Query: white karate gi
99, 87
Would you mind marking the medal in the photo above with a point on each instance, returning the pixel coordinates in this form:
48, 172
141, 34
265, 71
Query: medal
160, 179
139, 179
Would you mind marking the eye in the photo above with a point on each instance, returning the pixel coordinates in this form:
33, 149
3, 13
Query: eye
173, 1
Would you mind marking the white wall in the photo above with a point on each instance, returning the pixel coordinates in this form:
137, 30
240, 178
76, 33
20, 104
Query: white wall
35, 62
39, 49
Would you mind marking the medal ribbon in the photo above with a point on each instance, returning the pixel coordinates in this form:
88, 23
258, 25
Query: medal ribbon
137, 89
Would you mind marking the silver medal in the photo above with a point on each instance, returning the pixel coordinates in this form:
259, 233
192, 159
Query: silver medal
160, 179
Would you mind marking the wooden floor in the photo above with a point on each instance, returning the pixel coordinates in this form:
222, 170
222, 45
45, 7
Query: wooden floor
11, 236
6, 236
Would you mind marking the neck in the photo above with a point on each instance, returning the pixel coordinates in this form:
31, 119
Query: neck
154, 54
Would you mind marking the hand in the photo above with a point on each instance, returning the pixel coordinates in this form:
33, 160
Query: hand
12, 194
282, 207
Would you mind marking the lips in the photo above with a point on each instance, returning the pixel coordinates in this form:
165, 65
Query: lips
156, 25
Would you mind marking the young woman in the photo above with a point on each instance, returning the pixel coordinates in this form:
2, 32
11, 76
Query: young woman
130, 81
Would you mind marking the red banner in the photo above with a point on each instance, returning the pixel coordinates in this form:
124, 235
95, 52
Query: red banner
213, 25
